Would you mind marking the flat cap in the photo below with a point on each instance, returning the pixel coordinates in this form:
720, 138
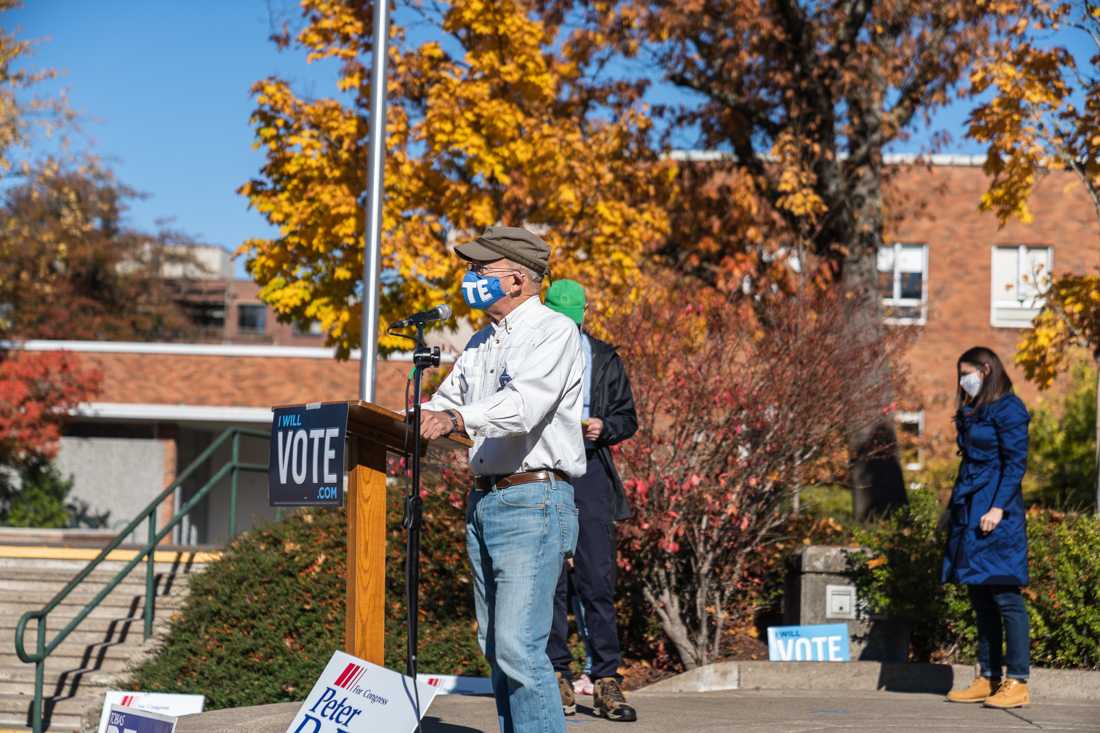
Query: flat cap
513, 243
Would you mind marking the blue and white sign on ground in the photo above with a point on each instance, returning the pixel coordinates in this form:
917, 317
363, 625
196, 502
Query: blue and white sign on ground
306, 463
163, 703
129, 720
354, 696
818, 643
448, 684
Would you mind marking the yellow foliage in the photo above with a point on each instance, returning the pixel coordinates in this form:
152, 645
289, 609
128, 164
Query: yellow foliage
1070, 319
1035, 121
796, 179
18, 111
487, 128
1044, 114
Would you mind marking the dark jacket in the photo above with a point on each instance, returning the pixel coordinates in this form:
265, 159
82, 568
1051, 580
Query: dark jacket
613, 402
993, 444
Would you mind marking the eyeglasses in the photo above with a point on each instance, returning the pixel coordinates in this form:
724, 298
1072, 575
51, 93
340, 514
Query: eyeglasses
481, 270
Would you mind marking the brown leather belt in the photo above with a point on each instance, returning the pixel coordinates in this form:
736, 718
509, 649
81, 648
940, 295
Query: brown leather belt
486, 483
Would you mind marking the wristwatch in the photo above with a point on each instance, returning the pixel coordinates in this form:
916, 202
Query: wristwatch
454, 420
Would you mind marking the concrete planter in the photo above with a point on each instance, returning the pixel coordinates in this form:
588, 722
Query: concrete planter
818, 590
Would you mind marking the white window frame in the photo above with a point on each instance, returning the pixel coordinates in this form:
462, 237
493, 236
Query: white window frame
910, 417
1005, 302
899, 302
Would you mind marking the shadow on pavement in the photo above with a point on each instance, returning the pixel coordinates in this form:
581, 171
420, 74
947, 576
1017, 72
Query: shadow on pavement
432, 724
935, 679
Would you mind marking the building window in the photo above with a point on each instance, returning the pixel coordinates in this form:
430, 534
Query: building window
207, 315
910, 430
1019, 276
251, 318
313, 329
903, 282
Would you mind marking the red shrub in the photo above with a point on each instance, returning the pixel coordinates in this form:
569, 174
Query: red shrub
36, 392
736, 410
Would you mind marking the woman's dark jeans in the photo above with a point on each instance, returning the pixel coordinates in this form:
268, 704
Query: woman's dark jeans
1002, 624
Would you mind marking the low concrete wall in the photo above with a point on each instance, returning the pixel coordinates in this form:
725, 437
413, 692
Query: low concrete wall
1050, 684
116, 475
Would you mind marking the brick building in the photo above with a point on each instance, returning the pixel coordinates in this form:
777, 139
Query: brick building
962, 280
162, 404
957, 277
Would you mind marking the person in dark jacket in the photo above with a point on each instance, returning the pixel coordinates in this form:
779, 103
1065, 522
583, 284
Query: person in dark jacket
608, 418
987, 540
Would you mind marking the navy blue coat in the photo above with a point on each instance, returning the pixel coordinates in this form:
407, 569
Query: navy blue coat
993, 444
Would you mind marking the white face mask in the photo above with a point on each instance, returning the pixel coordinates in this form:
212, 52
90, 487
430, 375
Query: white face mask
971, 384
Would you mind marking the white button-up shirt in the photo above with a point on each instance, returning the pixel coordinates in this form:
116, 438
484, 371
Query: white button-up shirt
518, 387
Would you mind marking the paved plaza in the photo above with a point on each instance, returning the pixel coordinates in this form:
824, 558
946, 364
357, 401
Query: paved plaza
750, 711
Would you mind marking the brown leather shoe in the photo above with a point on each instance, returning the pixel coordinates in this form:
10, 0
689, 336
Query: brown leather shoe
1011, 694
980, 690
609, 702
568, 701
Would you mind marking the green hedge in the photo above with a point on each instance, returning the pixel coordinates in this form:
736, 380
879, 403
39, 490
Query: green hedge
899, 576
261, 622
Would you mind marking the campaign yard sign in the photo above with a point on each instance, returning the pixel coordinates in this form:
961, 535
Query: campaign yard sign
817, 643
355, 696
163, 703
130, 720
306, 458
449, 684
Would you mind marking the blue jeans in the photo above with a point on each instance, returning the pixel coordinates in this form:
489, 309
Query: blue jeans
1002, 624
517, 539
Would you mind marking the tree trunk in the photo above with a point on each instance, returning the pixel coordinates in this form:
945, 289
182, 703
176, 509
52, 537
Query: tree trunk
874, 473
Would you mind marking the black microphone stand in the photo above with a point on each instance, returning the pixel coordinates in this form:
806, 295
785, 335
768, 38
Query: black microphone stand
423, 358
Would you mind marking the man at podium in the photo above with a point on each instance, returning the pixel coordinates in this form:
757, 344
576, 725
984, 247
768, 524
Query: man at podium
516, 391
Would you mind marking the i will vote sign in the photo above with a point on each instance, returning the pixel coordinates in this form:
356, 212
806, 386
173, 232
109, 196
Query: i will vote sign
817, 643
306, 463
355, 696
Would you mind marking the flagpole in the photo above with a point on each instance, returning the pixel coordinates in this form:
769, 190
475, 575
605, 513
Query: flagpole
372, 259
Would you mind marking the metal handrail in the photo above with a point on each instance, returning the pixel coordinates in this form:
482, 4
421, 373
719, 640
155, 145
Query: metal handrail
147, 552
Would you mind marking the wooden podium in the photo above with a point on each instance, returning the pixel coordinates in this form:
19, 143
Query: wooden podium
373, 431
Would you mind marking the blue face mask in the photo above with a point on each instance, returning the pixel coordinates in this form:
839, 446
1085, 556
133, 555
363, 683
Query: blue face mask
481, 292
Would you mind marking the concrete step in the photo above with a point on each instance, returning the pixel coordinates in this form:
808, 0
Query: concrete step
74, 562
71, 647
59, 680
18, 567
100, 629
95, 631
76, 600
65, 714
12, 580
101, 659
62, 616
97, 655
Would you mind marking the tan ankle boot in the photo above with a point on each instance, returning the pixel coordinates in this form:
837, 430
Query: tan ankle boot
1011, 694
980, 690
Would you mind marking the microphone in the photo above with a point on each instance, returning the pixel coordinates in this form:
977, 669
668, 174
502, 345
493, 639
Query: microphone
439, 313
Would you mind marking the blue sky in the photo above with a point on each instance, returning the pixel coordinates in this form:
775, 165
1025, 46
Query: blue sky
163, 90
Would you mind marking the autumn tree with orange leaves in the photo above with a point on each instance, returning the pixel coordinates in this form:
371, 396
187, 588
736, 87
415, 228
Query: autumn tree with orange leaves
1045, 115
799, 100
36, 390
494, 119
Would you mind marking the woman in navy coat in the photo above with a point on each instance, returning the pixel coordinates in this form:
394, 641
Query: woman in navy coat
987, 540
